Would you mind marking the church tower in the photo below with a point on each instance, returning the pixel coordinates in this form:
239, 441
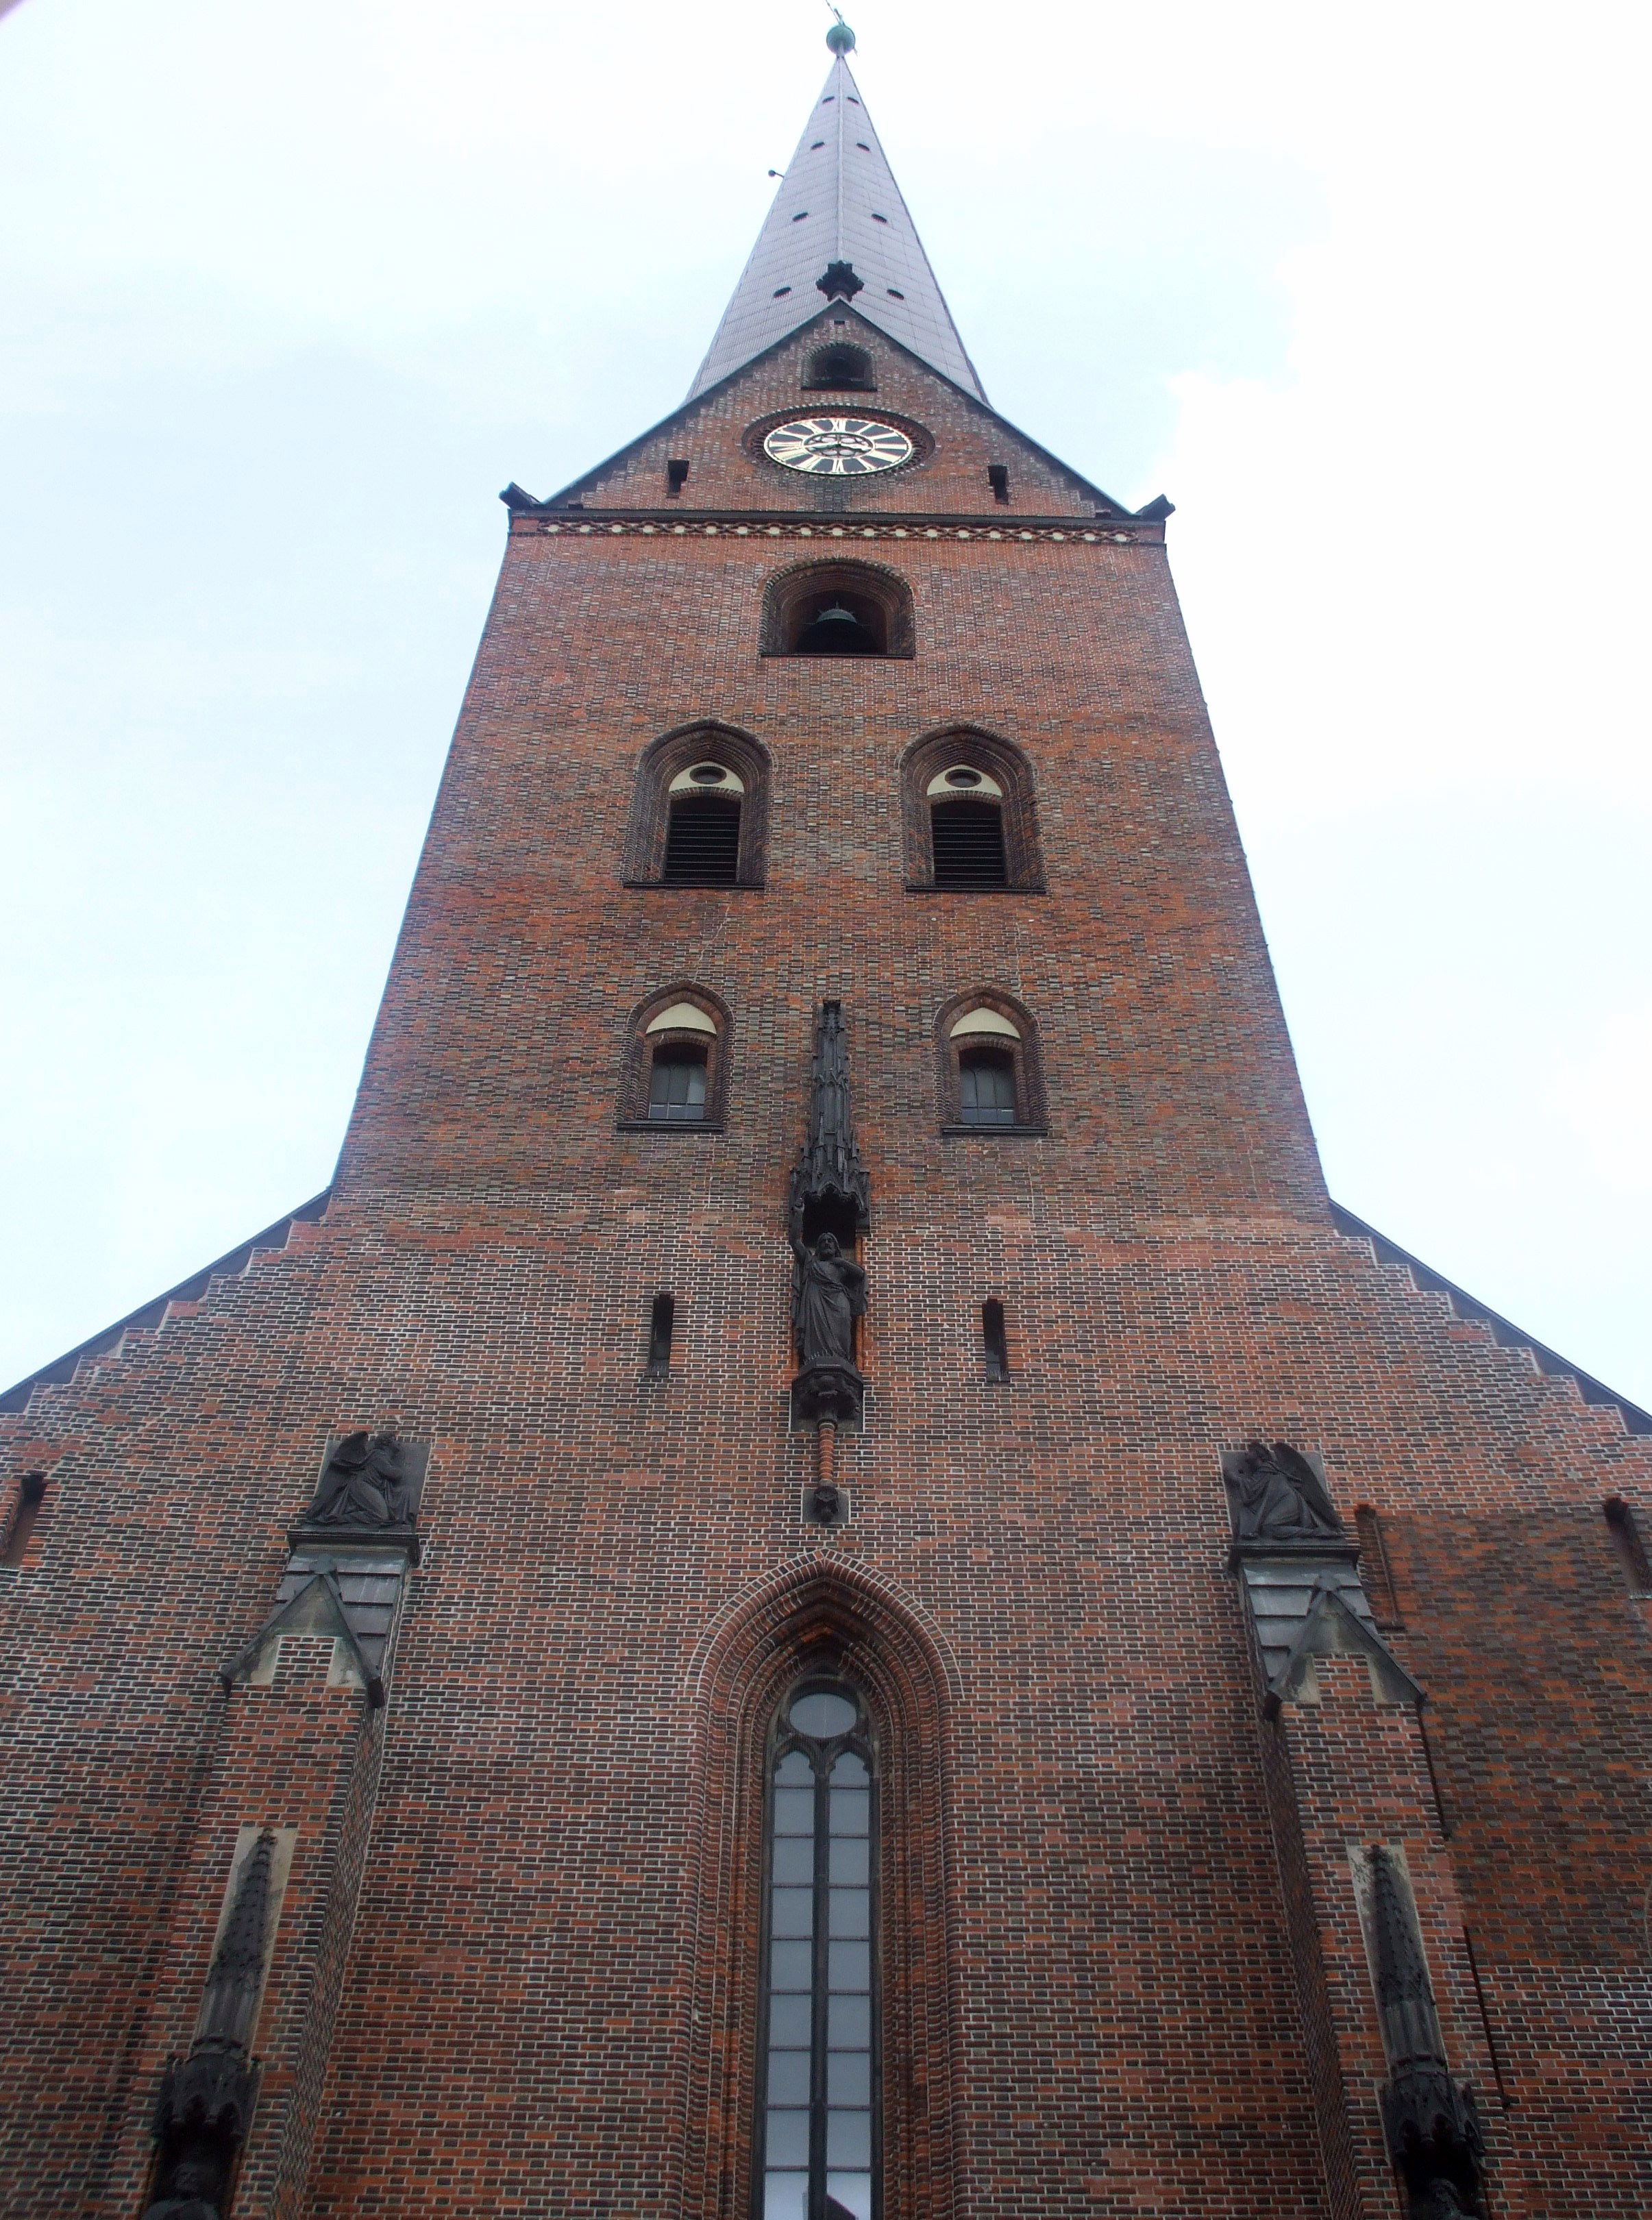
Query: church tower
826, 1585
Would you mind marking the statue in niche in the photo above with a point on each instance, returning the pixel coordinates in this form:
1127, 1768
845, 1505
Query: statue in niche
1277, 1496
829, 1295
193, 2188
364, 1482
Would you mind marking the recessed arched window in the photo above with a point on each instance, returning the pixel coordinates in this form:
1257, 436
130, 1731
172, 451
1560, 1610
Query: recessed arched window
967, 809
990, 1080
838, 609
677, 1063
818, 2116
839, 365
701, 810
703, 806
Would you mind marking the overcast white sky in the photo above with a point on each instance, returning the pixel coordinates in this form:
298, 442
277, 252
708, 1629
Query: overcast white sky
287, 292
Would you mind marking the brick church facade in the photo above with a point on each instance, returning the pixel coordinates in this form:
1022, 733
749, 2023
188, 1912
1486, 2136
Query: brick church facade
826, 1584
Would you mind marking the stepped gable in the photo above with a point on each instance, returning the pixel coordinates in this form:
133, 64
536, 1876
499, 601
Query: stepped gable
1504, 1333
236, 1261
229, 1266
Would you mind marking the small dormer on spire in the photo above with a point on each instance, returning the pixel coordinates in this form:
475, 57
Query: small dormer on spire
839, 226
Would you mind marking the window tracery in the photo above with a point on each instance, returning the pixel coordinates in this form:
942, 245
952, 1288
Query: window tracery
818, 2138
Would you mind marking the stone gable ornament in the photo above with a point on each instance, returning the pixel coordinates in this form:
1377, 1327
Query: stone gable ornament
1279, 1495
367, 1481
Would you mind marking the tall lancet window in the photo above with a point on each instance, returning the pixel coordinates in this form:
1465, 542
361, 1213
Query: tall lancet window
818, 2133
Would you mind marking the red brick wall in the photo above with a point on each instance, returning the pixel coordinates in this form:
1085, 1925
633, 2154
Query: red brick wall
725, 474
518, 2031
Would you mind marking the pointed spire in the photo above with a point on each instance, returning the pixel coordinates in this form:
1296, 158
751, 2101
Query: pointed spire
829, 1169
838, 229
1411, 2026
230, 2004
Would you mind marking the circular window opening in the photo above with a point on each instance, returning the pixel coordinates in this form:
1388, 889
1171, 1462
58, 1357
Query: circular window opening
821, 1713
708, 774
961, 776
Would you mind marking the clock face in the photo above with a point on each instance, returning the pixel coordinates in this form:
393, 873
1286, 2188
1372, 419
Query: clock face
837, 446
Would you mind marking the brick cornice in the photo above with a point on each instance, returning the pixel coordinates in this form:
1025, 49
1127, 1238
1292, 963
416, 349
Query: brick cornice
654, 524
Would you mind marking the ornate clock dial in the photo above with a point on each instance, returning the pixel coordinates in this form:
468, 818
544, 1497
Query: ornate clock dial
837, 446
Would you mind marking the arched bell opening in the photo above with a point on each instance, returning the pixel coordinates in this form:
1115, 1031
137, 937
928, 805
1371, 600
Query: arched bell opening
838, 609
839, 623
839, 367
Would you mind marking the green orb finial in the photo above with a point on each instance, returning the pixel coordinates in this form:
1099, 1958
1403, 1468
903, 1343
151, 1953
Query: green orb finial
840, 38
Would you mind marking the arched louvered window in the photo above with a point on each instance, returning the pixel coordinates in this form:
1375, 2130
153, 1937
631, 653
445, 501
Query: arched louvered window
966, 828
818, 2114
702, 833
700, 811
841, 365
969, 817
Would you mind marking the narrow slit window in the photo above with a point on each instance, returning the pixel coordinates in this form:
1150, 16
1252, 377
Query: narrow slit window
819, 2113
1374, 1566
997, 479
676, 475
1629, 1543
676, 1085
662, 1321
994, 1339
702, 841
24, 1518
967, 835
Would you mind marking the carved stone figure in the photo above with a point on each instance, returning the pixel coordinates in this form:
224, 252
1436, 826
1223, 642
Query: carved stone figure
829, 1295
830, 1197
194, 2186
1277, 1496
364, 1483
825, 1504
